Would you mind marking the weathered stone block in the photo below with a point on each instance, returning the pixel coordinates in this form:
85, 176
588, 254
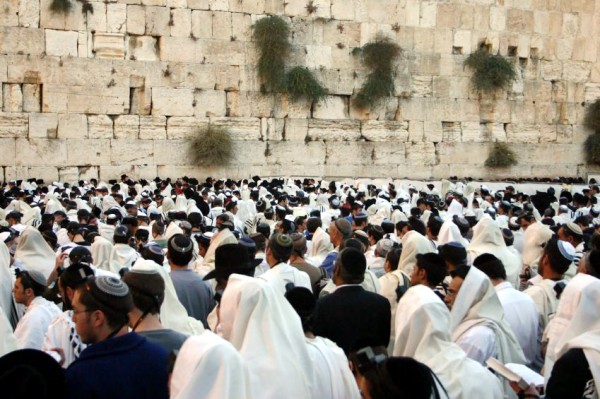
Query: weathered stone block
43, 125
179, 49
153, 127
249, 153
13, 125
241, 25
37, 152
462, 153
576, 71
181, 25
157, 21
171, 152
387, 131
201, 24
420, 153
172, 102
243, 103
295, 129
473, 132
88, 152
95, 21
127, 127
132, 152
143, 48
333, 130
209, 103
288, 152
518, 133
99, 127
432, 131
228, 53
332, 107
109, 45
271, 129
136, 20
185, 127
12, 97
73, 20
221, 26
592, 92
116, 18
72, 126
29, 14
31, 98
451, 132
318, 56
61, 43
241, 129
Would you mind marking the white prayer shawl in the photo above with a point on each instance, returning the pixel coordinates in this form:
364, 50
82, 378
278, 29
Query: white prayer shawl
8, 342
172, 229
109, 202
398, 216
32, 326
331, 364
477, 304
282, 274
61, 333
209, 367
52, 204
181, 203
423, 333
122, 256
34, 253
6, 281
449, 232
101, 250
167, 206
543, 294
487, 238
107, 231
222, 237
167, 191
584, 330
559, 330
265, 329
535, 235
455, 208
413, 243
321, 246
173, 314
389, 282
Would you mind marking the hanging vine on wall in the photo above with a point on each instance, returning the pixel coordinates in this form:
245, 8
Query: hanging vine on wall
61, 6
592, 143
271, 37
501, 156
212, 146
380, 57
490, 72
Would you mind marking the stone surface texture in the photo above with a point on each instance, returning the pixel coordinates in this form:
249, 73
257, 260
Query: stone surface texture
123, 88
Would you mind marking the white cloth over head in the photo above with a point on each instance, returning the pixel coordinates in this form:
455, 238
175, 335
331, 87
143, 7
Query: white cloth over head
423, 333
266, 330
209, 367
6, 281
535, 235
34, 253
8, 342
449, 232
101, 249
413, 243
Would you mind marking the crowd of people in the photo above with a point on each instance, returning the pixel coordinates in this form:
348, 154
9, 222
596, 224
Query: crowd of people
282, 288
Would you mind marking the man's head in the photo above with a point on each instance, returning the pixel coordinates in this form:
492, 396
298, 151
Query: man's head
231, 259
350, 267
100, 308
430, 270
28, 285
491, 266
147, 289
571, 233
299, 245
153, 252
458, 277
279, 249
556, 258
454, 254
122, 235
71, 279
180, 250
339, 230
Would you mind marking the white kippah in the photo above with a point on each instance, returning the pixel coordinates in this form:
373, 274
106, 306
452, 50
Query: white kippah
112, 286
566, 250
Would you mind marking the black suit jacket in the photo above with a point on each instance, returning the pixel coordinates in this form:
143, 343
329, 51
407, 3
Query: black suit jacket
353, 318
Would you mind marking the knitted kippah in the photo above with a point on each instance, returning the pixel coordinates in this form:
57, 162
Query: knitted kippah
283, 240
180, 243
111, 286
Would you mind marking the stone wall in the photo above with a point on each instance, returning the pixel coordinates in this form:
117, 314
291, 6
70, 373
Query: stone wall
120, 90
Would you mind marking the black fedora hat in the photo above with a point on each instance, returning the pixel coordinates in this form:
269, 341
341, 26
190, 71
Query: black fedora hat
31, 373
230, 259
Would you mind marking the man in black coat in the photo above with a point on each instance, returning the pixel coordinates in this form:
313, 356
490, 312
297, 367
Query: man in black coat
350, 316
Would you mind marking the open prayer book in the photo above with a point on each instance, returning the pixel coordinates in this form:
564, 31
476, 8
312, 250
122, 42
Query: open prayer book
522, 375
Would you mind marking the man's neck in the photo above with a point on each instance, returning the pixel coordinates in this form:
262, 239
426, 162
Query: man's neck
551, 275
295, 258
497, 281
149, 323
178, 267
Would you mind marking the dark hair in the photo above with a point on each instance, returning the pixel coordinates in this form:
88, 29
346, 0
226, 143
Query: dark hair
393, 257
281, 246
28, 282
434, 265
460, 271
147, 291
115, 309
557, 261
147, 253
434, 224
264, 229
180, 249
376, 232
491, 266
592, 264
351, 264
313, 223
401, 377
570, 233
417, 225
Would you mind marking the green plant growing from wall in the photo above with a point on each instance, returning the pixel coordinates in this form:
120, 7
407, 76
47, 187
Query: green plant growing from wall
300, 83
592, 143
60, 6
490, 72
212, 146
271, 37
380, 57
501, 156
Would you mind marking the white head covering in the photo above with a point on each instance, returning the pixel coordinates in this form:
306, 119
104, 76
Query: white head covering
101, 249
209, 367
6, 281
449, 232
559, 330
8, 342
487, 238
34, 253
321, 245
455, 208
167, 205
584, 330
423, 333
535, 235
172, 313
413, 243
477, 304
265, 329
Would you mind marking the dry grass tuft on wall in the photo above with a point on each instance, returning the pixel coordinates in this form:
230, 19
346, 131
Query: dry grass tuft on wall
212, 146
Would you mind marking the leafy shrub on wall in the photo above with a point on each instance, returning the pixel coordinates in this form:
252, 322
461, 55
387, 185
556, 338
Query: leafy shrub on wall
300, 83
271, 37
212, 146
490, 72
501, 156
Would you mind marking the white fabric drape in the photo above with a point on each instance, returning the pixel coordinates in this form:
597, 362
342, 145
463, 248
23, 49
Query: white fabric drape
34, 253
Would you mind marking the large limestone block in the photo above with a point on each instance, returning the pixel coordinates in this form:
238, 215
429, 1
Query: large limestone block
576, 71
385, 131
333, 130
31, 98
97, 20
271, 129
10, 13
98, 100
227, 77
131, 152
228, 53
73, 126
297, 153
153, 128
244, 104
420, 154
13, 125
342, 10
43, 125
41, 152
332, 107
14, 40
463, 153
171, 152
8, 152
249, 153
116, 18
241, 25
109, 45
136, 20
61, 43
221, 26
210, 103
178, 49
451, 132
473, 132
185, 127
201, 24
519, 133
172, 102
432, 131
157, 21
12, 98
416, 131
318, 56
199, 4
296, 129
388, 153
143, 48
88, 151
127, 127
29, 14
181, 25
592, 92
99, 127
241, 129
73, 20
343, 155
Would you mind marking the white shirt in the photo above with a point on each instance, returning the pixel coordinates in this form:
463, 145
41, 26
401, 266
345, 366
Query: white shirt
479, 343
283, 273
32, 327
521, 314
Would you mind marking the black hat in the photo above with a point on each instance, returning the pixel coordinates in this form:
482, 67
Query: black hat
80, 254
453, 252
230, 259
30, 373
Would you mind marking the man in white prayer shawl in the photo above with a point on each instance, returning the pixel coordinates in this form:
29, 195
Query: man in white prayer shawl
101, 249
8, 342
122, 256
34, 253
477, 321
223, 236
281, 273
6, 285
29, 287
321, 243
487, 238
267, 332
423, 333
